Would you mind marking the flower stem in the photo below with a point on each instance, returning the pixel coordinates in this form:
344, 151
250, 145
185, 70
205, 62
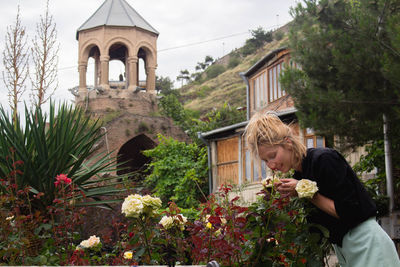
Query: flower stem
142, 224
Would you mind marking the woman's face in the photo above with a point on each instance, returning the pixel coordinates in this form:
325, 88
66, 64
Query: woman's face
277, 157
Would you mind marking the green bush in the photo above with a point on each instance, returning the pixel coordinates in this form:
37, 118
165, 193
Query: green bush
214, 70
178, 172
233, 62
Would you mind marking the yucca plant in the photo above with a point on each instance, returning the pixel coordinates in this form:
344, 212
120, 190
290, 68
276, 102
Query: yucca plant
36, 151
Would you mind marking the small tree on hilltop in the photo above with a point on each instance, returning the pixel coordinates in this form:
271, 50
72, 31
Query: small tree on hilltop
183, 76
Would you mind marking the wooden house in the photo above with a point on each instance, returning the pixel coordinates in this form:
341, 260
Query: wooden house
229, 159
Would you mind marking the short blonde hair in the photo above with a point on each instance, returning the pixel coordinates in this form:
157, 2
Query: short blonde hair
265, 128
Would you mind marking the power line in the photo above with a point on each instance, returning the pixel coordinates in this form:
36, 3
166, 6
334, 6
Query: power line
183, 46
190, 44
202, 42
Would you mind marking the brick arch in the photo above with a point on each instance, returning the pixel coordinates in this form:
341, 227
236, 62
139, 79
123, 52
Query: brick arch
116, 40
86, 47
131, 156
150, 52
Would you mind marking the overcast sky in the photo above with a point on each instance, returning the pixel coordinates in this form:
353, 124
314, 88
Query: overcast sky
189, 30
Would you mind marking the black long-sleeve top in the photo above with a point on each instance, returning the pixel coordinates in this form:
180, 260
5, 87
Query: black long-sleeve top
336, 180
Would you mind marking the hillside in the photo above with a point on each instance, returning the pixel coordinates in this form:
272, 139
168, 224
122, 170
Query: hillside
228, 86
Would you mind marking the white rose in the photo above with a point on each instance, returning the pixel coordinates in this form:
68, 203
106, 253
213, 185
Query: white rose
94, 241
150, 201
132, 206
306, 188
167, 222
91, 242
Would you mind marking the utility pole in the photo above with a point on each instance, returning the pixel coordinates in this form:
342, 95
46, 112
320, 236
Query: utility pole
388, 163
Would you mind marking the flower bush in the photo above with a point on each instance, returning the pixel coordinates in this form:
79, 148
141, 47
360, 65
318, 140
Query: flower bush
220, 233
273, 231
281, 235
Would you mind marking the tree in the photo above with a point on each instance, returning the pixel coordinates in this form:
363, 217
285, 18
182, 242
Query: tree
208, 60
164, 84
259, 38
349, 54
15, 61
184, 75
45, 59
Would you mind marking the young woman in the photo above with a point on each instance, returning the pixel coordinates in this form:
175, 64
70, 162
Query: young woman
344, 206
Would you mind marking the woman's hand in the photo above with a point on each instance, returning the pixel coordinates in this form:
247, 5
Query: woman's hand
287, 187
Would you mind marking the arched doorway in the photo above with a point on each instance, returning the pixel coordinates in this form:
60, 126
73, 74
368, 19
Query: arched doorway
130, 154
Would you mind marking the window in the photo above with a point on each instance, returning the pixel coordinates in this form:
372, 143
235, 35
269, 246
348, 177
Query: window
274, 86
254, 170
311, 140
260, 91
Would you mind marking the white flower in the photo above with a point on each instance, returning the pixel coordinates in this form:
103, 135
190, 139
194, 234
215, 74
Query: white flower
170, 221
132, 206
128, 255
93, 241
150, 201
167, 222
270, 181
150, 204
306, 188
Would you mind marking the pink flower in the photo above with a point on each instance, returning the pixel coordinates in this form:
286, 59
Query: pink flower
62, 178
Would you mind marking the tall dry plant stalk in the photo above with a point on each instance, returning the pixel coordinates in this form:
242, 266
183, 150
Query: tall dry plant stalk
15, 61
45, 59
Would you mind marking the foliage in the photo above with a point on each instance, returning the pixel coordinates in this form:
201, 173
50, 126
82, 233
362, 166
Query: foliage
371, 161
224, 116
178, 172
233, 62
281, 233
183, 76
348, 52
151, 241
219, 232
214, 70
164, 84
208, 60
259, 38
48, 146
170, 106
30, 236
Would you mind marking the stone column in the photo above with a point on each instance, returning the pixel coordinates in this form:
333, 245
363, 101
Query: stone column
104, 60
82, 67
97, 71
132, 73
151, 80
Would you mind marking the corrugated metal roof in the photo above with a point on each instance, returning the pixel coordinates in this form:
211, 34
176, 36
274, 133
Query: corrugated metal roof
116, 13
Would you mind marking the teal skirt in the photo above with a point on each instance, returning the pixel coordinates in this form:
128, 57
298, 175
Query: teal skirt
367, 245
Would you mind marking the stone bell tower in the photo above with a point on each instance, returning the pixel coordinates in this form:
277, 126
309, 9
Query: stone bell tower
128, 107
116, 32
